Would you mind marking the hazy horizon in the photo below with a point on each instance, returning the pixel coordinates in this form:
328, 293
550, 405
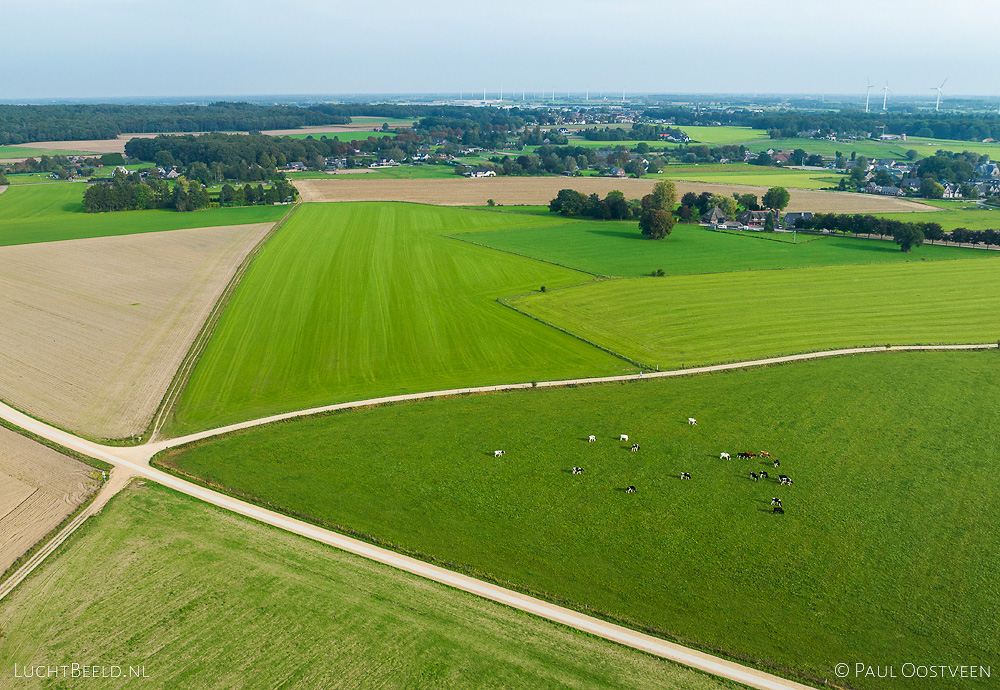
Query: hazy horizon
124, 49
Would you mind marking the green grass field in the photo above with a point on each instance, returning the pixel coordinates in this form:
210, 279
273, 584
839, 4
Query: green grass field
885, 553
705, 319
150, 582
956, 214
358, 300
25, 152
356, 135
720, 136
616, 248
741, 173
46, 213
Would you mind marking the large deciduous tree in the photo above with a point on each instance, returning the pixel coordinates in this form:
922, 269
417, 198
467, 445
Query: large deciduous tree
775, 199
907, 236
656, 223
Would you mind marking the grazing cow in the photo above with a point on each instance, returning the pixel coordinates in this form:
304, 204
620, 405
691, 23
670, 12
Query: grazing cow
785, 479
630, 489
754, 476
624, 437
723, 456
498, 453
777, 464
635, 447
779, 510
776, 501
685, 475
692, 421
591, 439
765, 454
577, 470
763, 475
743, 456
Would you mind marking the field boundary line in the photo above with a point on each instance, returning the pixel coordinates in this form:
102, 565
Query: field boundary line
200, 342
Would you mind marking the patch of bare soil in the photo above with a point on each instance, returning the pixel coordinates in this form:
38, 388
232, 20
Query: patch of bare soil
541, 190
39, 488
94, 329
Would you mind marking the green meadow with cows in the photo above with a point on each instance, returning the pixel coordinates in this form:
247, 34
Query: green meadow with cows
883, 552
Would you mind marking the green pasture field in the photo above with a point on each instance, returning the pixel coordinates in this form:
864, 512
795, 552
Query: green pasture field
359, 135
356, 300
616, 248
955, 214
394, 122
705, 319
25, 152
928, 147
742, 173
150, 582
31, 178
885, 551
871, 149
46, 213
719, 136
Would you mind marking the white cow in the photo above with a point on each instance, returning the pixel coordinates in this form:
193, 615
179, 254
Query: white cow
624, 437
498, 453
723, 456
692, 421
591, 439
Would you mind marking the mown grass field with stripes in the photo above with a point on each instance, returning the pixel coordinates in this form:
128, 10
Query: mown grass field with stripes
886, 552
616, 248
202, 598
351, 301
706, 319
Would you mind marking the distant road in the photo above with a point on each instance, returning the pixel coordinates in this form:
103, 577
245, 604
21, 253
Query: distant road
134, 461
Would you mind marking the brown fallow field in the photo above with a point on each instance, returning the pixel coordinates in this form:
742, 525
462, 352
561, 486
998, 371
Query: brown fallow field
94, 329
541, 190
39, 488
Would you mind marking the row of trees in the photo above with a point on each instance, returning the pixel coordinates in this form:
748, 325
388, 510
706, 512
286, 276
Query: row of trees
24, 123
131, 193
655, 211
637, 132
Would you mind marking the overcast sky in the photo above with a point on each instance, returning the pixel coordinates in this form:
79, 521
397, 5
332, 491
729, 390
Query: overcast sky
141, 48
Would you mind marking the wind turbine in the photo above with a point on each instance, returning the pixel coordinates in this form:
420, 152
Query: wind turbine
885, 94
868, 93
937, 106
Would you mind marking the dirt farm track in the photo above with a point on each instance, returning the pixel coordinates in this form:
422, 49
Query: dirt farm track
540, 190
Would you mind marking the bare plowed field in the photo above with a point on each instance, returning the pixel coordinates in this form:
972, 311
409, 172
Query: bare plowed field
39, 488
94, 329
541, 190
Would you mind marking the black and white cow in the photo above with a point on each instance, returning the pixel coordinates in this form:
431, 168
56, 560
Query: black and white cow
763, 475
776, 501
635, 447
685, 475
498, 453
777, 464
754, 476
591, 439
630, 489
785, 479
577, 470
723, 456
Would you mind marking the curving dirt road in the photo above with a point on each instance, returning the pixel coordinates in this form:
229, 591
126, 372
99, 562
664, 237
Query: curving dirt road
134, 461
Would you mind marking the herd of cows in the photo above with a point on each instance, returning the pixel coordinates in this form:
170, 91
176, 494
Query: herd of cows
783, 479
